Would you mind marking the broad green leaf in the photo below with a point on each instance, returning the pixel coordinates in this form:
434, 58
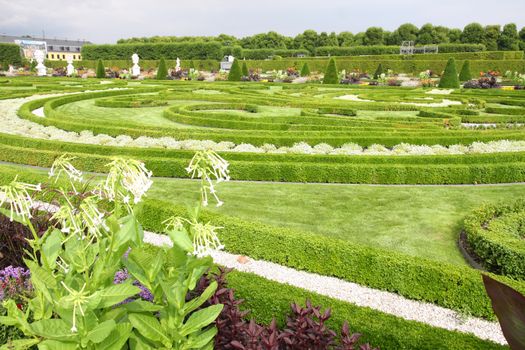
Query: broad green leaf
15, 316
118, 337
201, 319
116, 314
136, 342
42, 279
149, 327
55, 329
181, 239
20, 344
56, 345
51, 248
41, 307
141, 306
117, 293
17, 218
101, 332
198, 341
201, 299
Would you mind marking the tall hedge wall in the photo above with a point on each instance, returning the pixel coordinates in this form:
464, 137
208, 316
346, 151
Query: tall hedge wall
382, 50
196, 50
10, 54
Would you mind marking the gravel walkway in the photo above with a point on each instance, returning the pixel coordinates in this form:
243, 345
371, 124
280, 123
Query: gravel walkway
386, 302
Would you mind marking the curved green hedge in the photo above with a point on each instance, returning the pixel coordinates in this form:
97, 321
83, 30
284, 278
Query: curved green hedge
495, 234
451, 286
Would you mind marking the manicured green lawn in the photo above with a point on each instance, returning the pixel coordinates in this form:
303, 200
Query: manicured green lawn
416, 220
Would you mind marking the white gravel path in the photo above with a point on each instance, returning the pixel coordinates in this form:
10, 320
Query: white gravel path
386, 302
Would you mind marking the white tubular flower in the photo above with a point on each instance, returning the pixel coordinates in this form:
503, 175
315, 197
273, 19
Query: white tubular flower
175, 223
17, 195
78, 299
92, 218
86, 220
127, 177
62, 165
205, 239
209, 166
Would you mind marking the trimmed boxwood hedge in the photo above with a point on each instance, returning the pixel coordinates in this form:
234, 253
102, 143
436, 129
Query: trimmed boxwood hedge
455, 287
10, 54
494, 233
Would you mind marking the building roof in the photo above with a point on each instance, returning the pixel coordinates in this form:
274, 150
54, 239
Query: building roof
52, 44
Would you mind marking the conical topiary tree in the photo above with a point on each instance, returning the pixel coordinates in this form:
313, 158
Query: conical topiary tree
465, 74
379, 71
235, 71
449, 79
245, 71
101, 71
162, 72
192, 65
305, 71
330, 75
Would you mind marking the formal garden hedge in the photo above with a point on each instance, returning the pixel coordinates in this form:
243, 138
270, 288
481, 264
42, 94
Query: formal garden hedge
385, 50
494, 235
10, 54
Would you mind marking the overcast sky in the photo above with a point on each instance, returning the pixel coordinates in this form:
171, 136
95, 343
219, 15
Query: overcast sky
105, 21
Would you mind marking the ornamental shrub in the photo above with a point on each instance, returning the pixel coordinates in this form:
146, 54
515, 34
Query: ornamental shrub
465, 74
379, 71
235, 71
330, 75
305, 71
162, 72
10, 54
101, 71
245, 71
192, 64
449, 79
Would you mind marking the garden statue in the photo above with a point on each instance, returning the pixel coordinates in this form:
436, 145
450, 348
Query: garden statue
135, 70
177, 67
231, 58
41, 70
70, 69
11, 71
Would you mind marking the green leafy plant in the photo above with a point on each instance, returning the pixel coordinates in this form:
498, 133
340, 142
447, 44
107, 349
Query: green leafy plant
331, 75
378, 71
449, 79
73, 264
101, 71
162, 71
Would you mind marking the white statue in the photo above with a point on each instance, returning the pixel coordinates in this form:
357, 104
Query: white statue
135, 70
70, 70
231, 58
41, 70
177, 67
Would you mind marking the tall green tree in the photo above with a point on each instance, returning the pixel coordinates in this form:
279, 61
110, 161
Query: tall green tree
465, 74
522, 38
492, 35
449, 79
509, 39
101, 71
345, 39
405, 32
454, 35
305, 71
235, 71
374, 36
162, 71
473, 33
245, 71
330, 75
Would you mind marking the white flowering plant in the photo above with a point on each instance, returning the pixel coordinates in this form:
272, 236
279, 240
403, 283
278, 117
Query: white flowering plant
76, 304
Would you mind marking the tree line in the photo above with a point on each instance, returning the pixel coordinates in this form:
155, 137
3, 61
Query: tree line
494, 37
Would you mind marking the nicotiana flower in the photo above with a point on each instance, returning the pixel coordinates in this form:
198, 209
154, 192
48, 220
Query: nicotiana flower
208, 165
85, 220
17, 195
205, 239
126, 178
62, 165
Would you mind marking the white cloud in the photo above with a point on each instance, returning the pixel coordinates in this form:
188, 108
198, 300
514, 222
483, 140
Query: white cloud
108, 20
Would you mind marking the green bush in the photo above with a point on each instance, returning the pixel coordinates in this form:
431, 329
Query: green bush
305, 70
465, 74
154, 51
162, 71
449, 79
331, 73
447, 285
394, 49
378, 71
235, 71
101, 71
494, 233
10, 54
192, 64
245, 71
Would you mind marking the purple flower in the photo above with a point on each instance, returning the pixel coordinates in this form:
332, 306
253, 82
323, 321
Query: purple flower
123, 275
